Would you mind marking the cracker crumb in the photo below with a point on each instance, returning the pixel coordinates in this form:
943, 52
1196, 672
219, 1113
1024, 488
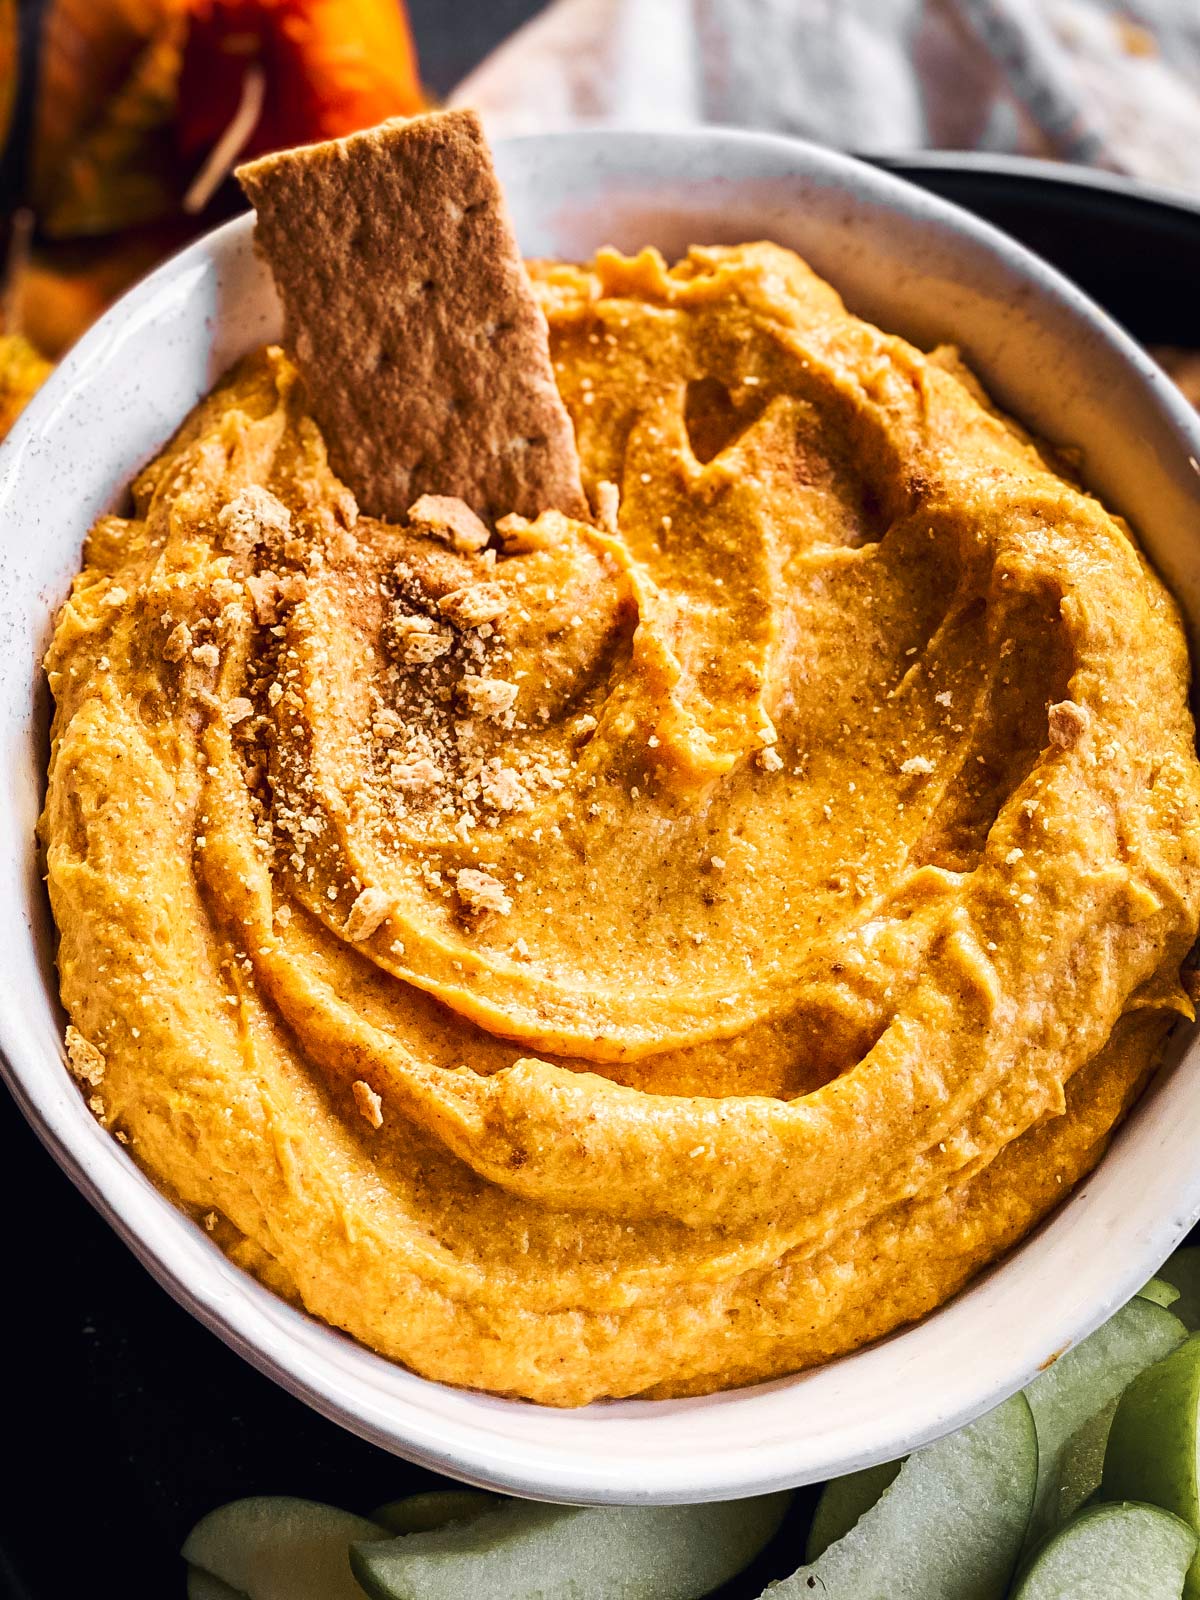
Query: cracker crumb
178, 642
770, 760
239, 709
1068, 722
1013, 856
369, 1104
479, 891
916, 766
518, 536
83, 1058
417, 640
608, 505
210, 1221
474, 604
250, 518
449, 519
269, 590
488, 697
419, 774
500, 788
368, 913
206, 655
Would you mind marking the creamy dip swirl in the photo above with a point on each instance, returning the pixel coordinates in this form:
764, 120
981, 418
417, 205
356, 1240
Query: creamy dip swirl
643, 957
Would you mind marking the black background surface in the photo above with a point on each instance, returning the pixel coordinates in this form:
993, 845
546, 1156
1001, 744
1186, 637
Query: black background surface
123, 1419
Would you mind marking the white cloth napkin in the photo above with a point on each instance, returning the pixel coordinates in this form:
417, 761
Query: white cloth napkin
1111, 82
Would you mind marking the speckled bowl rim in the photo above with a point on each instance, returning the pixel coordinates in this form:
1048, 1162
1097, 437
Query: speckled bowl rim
917, 265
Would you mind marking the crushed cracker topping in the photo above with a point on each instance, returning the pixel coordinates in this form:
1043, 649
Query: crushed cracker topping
271, 591
608, 505
488, 697
417, 640
178, 643
419, 774
1067, 722
474, 604
519, 536
368, 913
479, 891
501, 788
85, 1061
252, 517
449, 519
370, 1105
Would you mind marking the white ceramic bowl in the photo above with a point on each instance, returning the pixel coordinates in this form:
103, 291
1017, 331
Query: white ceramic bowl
914, 265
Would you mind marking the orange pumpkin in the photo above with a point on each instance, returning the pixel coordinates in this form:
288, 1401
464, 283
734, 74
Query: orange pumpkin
142, 108
8, 65
329, 67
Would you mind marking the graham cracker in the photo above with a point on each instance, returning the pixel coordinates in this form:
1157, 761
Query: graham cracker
412, 319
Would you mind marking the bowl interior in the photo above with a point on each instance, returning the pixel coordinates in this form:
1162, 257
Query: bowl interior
915, 266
